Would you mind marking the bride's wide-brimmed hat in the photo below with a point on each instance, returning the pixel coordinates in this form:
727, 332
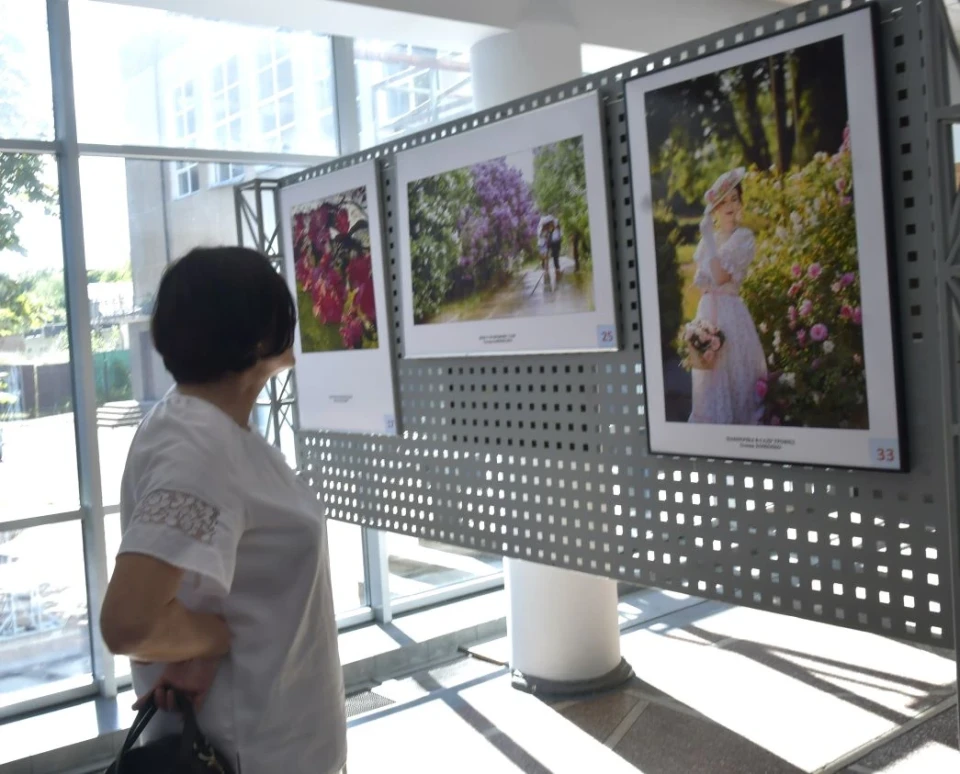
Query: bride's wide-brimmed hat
724, 186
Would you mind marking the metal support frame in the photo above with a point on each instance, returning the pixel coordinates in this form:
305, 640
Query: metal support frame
258, 227
940, 51
570, 483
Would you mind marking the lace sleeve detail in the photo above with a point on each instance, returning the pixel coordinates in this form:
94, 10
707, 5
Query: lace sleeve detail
195, 518
737, 255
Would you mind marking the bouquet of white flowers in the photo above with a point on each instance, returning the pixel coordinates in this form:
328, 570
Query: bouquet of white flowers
701, 342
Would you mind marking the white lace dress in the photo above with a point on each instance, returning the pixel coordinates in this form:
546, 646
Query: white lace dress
727, 393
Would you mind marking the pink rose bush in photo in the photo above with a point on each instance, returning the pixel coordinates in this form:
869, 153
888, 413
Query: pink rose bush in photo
805, 288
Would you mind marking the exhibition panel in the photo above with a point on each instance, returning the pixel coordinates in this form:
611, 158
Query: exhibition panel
333, 246
759, 195
546, 458
505, 238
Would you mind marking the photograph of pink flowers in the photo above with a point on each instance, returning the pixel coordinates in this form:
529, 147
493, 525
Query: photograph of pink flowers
333, 249
334, 273
758, 186
505, 235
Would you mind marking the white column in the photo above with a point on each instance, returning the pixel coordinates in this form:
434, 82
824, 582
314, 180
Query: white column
563, 625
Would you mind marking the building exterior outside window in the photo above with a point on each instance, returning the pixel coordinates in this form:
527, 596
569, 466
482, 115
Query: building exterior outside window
276, 102
227, 115
405, 88
185, 128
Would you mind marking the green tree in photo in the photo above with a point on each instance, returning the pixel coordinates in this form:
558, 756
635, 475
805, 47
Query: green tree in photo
436, 207
772, 114
560, 188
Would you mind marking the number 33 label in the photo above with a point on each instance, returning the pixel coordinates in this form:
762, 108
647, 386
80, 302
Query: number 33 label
884, 453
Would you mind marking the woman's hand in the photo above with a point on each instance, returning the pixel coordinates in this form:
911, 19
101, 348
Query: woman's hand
191, 679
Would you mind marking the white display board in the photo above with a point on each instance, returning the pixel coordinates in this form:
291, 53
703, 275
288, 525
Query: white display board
505, 238
333, 248
787, 254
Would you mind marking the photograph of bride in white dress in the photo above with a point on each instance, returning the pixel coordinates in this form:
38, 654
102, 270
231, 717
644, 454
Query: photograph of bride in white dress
758, 267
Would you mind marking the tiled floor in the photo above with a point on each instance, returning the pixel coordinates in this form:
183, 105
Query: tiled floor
466, 718
718, 691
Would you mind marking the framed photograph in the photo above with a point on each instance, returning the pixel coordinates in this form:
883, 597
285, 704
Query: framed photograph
764, 272
333, 248
505, 238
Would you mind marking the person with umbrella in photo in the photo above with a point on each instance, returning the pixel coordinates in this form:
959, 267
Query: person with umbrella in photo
545, 231
556, 242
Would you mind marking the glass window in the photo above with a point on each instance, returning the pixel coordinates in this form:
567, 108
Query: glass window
405, 88
346, 566
44, 627
418, 566
26, 104
38, 472
131, 85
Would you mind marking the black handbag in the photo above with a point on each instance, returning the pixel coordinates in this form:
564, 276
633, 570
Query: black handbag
186, 753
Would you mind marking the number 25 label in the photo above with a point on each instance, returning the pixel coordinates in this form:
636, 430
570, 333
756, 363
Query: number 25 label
606, 336
884, 453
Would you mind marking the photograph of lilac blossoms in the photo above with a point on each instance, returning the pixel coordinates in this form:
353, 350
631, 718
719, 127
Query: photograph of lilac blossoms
505, 238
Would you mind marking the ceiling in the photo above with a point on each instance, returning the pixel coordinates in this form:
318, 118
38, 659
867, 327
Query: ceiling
636, 25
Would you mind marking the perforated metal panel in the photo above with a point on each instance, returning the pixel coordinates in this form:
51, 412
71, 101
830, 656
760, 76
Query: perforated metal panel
545, 458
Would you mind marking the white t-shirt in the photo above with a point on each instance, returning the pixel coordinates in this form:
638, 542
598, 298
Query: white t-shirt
203, 494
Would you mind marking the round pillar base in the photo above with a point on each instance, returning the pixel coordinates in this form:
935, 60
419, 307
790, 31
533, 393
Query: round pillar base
541, 687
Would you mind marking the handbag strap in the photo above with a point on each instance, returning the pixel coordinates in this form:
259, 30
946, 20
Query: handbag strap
139, 726
191, 730
188, 739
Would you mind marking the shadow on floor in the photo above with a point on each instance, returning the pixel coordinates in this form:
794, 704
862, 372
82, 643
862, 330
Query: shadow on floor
477, 723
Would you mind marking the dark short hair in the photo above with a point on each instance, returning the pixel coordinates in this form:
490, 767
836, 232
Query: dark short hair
219, 311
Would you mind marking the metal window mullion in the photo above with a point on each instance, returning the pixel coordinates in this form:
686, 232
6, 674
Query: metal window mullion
199, 155
345, 95
41, 521
78, 324
29, 146
376, 570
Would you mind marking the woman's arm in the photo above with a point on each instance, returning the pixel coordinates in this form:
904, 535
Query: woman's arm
720, 275
143, 619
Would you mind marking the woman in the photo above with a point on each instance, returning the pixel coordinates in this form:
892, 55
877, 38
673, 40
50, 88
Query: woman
727, 393
222, 586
